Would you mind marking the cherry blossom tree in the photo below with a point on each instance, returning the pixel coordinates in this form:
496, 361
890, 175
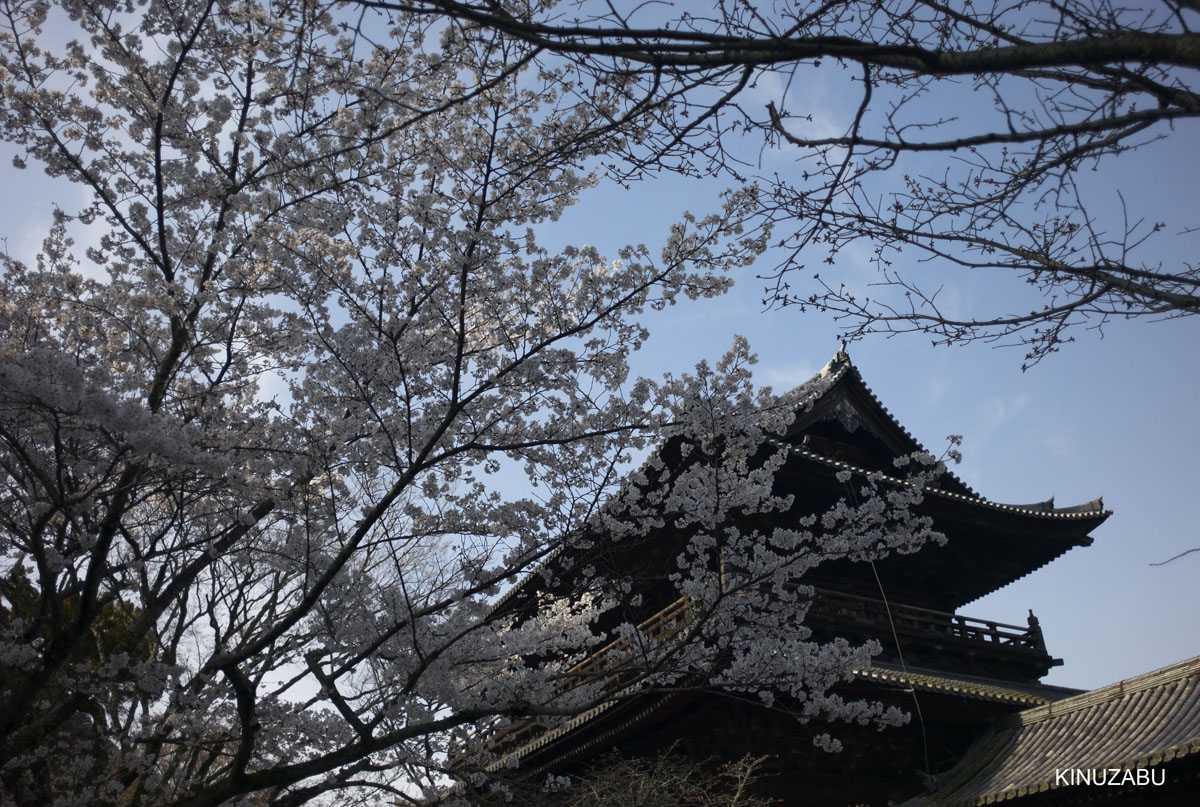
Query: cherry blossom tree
295, 397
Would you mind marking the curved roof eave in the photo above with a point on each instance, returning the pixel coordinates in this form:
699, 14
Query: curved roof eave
1087, 510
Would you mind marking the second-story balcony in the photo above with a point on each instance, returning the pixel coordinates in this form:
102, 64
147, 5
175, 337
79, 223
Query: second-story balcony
935, 639
929, 639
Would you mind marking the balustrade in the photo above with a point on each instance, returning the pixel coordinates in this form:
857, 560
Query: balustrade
850, 615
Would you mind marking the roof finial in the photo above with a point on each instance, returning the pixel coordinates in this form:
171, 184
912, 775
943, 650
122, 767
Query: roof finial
842, 354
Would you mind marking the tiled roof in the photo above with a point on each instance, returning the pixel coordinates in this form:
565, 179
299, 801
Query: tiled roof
1138, 723
966, 686
1087, 510
840, 366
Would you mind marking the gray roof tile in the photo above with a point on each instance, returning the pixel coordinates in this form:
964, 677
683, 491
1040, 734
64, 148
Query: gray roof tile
1136, 723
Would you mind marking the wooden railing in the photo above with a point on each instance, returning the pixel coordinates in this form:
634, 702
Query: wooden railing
613, 656
851, 615
871, 616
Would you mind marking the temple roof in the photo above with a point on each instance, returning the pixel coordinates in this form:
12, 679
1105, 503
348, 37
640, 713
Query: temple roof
843, 426
1143, 722
849, 400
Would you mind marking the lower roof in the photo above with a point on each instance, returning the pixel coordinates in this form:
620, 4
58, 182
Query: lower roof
1141, 722
880, 673
965, 686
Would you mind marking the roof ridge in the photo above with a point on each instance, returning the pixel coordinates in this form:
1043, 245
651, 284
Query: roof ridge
1190, 668
993, 772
